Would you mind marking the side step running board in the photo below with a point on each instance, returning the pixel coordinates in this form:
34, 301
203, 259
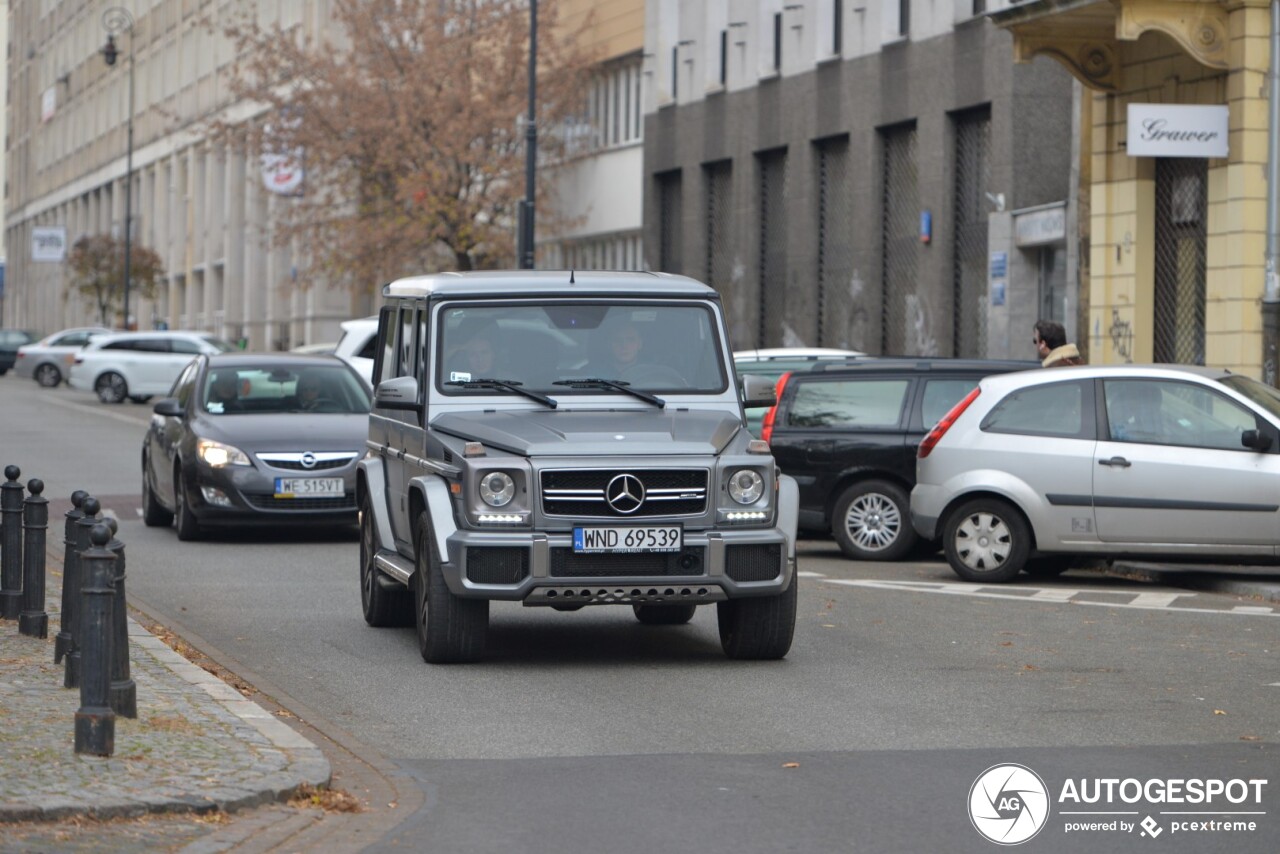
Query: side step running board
395, 565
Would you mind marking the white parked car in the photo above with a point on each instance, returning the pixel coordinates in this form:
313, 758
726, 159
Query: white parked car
358, 345
137, 365
1035, 467
47, 360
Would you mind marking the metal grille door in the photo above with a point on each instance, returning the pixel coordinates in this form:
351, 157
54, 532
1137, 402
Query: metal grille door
835, 249
969, 261
1181, 237
670, 245
772, 270
900, 205
719, 184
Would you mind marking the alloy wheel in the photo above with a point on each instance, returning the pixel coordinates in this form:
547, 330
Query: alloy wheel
873, 521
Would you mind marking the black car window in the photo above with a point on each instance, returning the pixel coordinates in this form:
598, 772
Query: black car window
152, 345
844, 403
185, 383
121, 345
370, 348
1057, 409
71, 339
942, 394
384, 368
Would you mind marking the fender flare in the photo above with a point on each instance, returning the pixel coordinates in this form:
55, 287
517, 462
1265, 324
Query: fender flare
371, 480
788, 510
433, 492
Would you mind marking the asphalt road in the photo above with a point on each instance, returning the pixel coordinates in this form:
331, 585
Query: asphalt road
586, 732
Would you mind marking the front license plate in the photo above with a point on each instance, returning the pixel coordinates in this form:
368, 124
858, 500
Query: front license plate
309, 487
650, 538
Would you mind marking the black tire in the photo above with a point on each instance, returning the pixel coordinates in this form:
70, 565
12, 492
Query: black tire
664, 615
153, 513
384, 605
986, 541
872, 521
139, 398
451, 630
759, 627
1049, 566
111, 388
48, 375
184, 521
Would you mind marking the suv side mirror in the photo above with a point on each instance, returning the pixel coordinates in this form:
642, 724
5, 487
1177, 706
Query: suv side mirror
398, 393
1255, 439
758, 391
170, 407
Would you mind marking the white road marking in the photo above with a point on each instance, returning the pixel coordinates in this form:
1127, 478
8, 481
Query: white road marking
1065, 596
806, 574
1159, 600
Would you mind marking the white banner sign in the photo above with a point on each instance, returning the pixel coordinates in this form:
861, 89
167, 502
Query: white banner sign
48, 103
1036, 228
1177, 130
49, 243
282, 173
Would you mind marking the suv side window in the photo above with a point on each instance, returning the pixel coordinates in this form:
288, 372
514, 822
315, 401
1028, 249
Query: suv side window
370, 348
153, 345
121, 345
404, 343
942, 394
384, 368
71, 339
847, 403
1057, 409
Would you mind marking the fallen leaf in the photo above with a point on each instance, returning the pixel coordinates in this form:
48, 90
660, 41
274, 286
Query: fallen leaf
828, 625
1251, 738
1006, 643
1219, 712
790, 764
1029, 667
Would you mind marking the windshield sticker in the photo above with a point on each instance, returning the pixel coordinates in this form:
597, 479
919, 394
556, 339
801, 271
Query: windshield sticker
459, 377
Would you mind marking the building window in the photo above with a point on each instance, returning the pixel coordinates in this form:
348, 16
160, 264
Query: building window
837, 27
675, 73
777, 41
724, 57
904, 17
979, 7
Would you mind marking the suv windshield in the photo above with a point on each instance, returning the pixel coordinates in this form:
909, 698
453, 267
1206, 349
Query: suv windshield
651, 347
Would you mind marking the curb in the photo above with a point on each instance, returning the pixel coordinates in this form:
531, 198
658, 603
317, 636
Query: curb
303, 763
1197, 577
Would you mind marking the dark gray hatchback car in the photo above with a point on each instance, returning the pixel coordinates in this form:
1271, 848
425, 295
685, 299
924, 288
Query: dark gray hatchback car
267, 439
848, 435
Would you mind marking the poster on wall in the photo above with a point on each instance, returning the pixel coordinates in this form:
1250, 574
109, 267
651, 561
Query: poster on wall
49, 243
1177, 130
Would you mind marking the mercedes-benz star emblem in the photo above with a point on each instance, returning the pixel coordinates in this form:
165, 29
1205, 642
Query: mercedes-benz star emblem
625, 493
308, 460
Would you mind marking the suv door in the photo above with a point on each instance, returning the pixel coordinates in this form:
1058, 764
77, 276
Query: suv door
392, 427
1171, 469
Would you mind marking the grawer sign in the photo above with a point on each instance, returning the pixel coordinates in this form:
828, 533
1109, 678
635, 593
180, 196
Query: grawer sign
1010, 804
1177, 130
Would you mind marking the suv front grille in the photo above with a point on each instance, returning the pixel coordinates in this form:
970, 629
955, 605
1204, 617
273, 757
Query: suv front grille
565, 563
582, 492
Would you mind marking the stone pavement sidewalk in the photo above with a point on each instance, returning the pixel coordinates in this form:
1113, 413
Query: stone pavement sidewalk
196, 745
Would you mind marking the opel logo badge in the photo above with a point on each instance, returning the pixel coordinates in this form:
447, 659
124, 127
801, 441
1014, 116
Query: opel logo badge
625, 493
308, 460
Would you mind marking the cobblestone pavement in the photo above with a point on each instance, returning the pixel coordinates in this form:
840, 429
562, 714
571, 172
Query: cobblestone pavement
197, 745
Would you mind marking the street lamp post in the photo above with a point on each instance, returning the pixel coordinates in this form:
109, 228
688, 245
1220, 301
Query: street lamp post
525, 248
115, 20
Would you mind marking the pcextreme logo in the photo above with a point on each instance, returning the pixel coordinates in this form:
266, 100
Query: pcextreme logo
1008, 804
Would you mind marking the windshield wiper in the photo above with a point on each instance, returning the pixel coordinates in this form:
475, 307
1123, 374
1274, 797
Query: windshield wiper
615, 385
505, 385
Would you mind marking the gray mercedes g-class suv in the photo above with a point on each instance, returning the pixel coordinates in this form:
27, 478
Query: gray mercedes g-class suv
566, 439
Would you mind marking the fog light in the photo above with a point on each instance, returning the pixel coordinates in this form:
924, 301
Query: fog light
213, 495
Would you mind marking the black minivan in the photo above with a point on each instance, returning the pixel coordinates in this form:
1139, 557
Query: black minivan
848, 435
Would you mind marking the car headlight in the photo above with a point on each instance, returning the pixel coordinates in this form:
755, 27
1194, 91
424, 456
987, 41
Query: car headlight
218, 455
497, 489
746, 486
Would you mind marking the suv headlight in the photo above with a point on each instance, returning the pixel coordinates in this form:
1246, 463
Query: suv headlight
746, 486
497, 489
218, 455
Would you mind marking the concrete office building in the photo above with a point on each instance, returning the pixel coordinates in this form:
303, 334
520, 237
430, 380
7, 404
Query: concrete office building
871, 174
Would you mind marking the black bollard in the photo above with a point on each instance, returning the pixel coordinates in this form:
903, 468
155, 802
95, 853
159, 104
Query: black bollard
90, 508
70, 576
11, 544
124, 694
95, 721
33, 621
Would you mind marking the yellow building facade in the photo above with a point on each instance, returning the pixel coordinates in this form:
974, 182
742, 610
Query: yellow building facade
1176, 243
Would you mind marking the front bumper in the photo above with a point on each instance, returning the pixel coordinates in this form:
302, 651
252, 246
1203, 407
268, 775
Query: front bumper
541, 569
249, 496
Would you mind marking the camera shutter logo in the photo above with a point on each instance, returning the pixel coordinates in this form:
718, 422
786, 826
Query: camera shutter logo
1008, 804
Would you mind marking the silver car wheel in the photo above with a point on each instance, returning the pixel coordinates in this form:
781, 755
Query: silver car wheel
873, 521
48, 376
983, 542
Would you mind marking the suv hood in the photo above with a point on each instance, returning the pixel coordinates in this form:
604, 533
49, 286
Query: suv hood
595, 433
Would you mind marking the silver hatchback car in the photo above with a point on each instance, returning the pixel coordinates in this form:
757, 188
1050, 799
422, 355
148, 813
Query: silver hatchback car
1035, 467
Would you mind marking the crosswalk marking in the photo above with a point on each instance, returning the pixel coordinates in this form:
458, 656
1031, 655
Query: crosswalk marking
1050, 595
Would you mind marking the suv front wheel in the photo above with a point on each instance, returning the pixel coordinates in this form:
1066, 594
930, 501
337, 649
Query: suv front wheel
758, 627
450, 629
871, 521
986, 540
